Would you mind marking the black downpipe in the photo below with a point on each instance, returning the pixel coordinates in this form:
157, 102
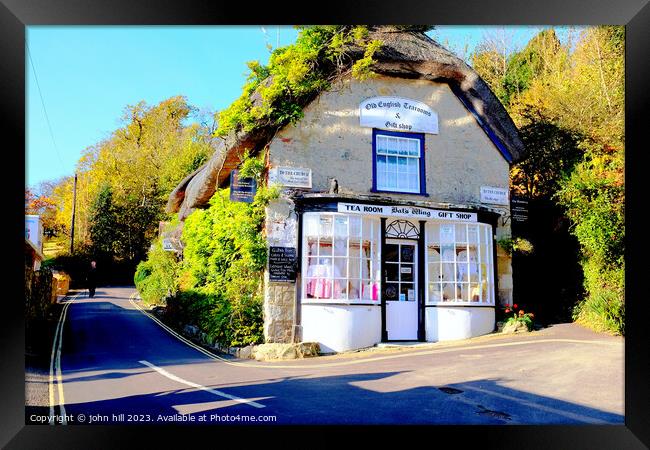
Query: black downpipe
421, 282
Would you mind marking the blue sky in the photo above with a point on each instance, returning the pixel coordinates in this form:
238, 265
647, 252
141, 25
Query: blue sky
89, 74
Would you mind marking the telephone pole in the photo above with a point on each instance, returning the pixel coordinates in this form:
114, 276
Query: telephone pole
74, 206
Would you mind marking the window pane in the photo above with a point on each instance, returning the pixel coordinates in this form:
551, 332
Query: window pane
325, 225
475, 292
312, 247
339, 290
406, 272
354, 267
369, 290
311, 225
391, 252
402, 182
381, 143
461, 235
433, 233
321, 288
472, 236
414, 147
391, 291
412, 164
391, 180
340, 226
403, 147
433, 255
382, 181
325, 248
435, 294
354, 289
447, 254
407, 253
462, 273
366, 269
407, 292
340, 268
447, 235
340, 246
414, 182
381, 163
311, 262
392, 272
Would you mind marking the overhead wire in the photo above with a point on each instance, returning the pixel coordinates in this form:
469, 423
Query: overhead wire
47, 118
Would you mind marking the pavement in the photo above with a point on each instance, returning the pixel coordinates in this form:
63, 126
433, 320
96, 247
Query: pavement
114, 363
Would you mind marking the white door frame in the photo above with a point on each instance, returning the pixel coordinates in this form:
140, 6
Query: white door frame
402, 316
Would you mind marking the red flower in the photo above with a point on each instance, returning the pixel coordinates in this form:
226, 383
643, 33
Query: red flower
507, 310
515, 306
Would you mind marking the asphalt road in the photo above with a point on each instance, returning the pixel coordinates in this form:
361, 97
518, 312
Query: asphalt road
118, 365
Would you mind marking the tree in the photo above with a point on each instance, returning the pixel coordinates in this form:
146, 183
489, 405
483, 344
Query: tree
104, 225
43, 205
123, 181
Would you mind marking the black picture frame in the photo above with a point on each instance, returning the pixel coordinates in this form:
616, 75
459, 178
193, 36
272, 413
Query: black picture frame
15, 15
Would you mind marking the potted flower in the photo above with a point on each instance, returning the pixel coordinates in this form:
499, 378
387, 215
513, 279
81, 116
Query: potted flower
516, 319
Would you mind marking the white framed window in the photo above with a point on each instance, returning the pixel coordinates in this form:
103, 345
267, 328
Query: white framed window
398, 162
340, 258
459, 263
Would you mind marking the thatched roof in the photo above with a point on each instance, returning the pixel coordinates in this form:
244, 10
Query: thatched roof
404, 54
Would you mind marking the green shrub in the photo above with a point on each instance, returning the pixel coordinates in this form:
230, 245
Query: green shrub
603, 308
516, 245
223, 267
594, 198
156, 279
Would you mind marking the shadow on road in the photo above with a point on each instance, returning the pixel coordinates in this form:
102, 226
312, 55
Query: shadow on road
369, 398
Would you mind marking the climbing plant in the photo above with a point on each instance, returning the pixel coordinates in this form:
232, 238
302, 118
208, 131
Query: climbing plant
274, 95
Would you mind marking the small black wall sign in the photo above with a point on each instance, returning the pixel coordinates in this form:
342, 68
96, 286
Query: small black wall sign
282, 264
242, 189
519, 210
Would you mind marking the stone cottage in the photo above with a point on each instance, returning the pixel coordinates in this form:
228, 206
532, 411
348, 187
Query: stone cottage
394, 193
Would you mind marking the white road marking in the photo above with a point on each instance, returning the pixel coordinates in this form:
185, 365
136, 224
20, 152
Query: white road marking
454, 348
55, 364
549, 409
171, 376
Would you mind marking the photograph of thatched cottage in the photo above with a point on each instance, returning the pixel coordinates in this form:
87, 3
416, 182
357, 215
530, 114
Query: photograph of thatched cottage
393, 191
326, 224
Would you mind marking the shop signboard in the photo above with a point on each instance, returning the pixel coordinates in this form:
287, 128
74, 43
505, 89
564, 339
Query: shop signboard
414, 212
282, 264
398, 114
242, 189
296, 177
494, 195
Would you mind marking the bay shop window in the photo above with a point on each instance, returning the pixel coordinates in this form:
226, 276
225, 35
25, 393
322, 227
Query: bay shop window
459, 264
341, 261
340, 258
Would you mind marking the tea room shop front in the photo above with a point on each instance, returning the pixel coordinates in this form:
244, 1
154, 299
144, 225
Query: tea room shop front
387, 272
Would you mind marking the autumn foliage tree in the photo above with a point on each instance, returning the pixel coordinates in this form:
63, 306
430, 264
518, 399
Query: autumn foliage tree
123, 181
568, 103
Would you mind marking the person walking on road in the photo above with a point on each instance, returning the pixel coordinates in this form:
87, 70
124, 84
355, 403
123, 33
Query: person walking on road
91, 279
